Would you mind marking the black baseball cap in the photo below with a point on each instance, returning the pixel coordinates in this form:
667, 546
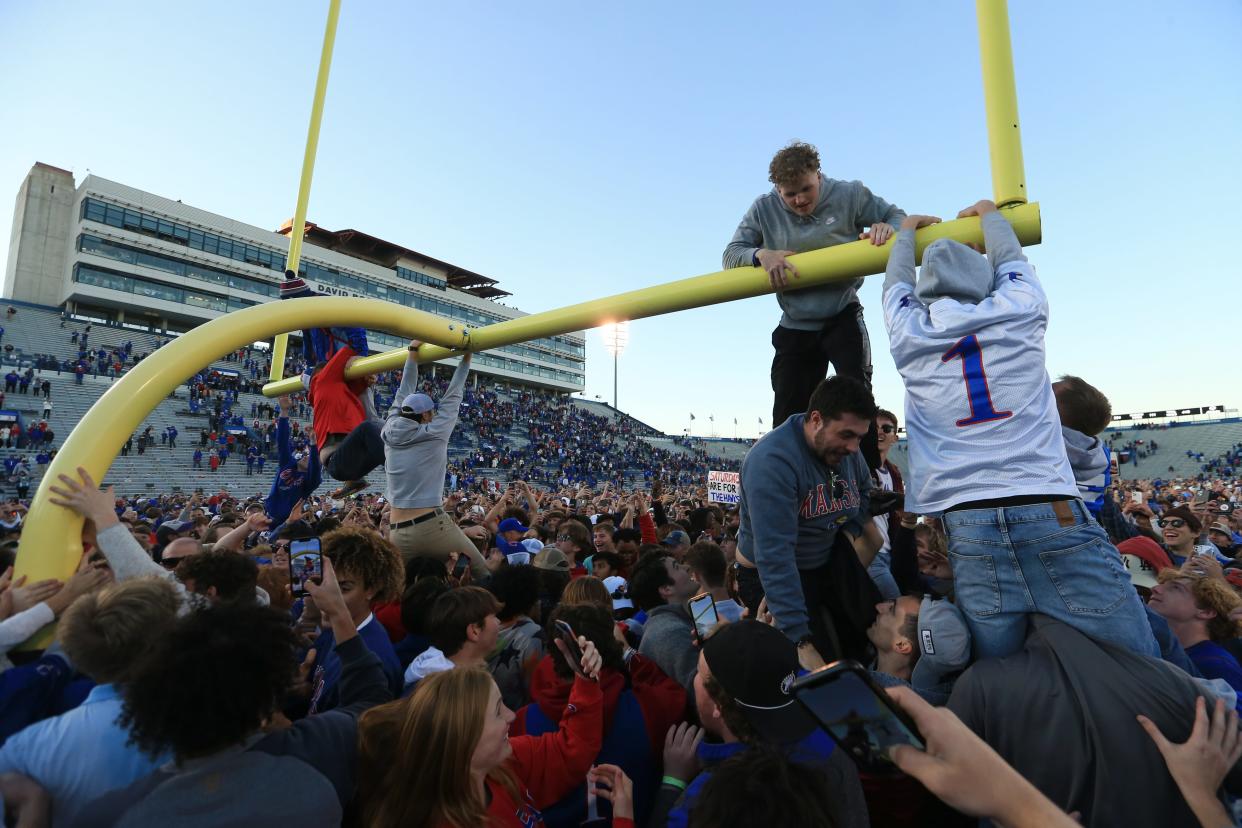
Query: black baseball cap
756, 666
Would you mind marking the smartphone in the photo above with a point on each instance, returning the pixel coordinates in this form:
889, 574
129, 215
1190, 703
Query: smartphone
857, 714
305, 564
462, 564
703, 613
1137, 497
566, 633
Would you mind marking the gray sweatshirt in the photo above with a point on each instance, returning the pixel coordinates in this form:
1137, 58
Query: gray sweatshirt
416, 454
792, 507
845, 208
666, 641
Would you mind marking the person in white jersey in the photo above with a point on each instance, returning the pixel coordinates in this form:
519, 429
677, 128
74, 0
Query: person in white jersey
416, 436
985, 445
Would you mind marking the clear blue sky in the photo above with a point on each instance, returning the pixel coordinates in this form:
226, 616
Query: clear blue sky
573, 150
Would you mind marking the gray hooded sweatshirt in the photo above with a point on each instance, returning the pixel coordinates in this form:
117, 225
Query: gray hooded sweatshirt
845, 208
416, 454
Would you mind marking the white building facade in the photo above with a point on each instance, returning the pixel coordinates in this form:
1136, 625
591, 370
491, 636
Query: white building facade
106, 251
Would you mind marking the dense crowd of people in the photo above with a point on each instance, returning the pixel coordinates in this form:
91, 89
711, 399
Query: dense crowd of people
1012, 630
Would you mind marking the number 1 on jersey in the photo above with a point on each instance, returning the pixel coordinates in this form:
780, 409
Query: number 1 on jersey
977, 394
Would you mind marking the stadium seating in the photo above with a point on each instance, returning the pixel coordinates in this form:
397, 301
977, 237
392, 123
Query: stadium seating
36, 331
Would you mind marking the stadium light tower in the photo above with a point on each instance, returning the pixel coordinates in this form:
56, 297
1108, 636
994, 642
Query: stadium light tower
616, 336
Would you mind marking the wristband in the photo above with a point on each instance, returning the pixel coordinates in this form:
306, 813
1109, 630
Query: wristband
673, 782
754, 258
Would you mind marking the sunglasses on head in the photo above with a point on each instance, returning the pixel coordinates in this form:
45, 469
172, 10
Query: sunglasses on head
1175, 523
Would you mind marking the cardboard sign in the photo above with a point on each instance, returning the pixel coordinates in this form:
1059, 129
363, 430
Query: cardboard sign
724, 487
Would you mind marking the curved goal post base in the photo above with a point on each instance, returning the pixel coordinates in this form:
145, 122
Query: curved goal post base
51, 542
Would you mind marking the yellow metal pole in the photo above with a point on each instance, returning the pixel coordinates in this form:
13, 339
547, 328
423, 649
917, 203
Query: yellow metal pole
817, 267
51, 542
294, 259
1000, 103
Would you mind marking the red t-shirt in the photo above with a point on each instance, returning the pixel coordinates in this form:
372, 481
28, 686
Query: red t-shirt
334, 399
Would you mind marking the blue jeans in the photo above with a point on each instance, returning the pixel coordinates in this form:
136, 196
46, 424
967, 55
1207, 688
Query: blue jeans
1012, 562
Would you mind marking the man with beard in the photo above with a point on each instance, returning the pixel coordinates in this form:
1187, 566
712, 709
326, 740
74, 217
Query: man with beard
803, 485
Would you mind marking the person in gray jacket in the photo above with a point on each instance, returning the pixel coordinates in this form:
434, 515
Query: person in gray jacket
807, 211
660, 588
416, 436
804, 484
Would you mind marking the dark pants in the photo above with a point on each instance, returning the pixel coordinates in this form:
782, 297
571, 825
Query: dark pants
839, 597
359, 454
801, 363
802, 358
749, 588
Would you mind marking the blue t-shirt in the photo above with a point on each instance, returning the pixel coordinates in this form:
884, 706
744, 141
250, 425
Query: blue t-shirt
1214, 662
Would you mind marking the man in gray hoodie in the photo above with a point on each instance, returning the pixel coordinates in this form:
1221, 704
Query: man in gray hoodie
416, 436
804, 484
807, 211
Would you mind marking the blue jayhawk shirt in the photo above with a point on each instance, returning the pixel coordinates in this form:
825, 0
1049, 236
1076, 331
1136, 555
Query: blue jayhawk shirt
290, 484
792, 507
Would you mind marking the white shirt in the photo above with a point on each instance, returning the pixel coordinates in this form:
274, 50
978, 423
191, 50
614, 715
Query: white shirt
981, 417
881, 521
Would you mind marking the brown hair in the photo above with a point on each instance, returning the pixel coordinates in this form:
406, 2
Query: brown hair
443, 718
934, 539
594, 623
108, 633
365, 554
587, 590
578, 536
1082, 406
1212, 594
792, 162
456, 610
731, 714
275, 582
707, 561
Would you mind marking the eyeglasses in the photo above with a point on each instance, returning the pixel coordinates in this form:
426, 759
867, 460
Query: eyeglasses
284, 546
1175, 523
171, 563
888, 429
563, 538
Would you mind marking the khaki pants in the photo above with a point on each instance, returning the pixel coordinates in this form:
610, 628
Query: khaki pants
438, 537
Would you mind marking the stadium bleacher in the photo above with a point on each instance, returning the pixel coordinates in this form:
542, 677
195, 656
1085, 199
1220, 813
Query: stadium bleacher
36, 331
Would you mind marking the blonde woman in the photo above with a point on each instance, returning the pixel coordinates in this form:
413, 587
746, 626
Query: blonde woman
443, 757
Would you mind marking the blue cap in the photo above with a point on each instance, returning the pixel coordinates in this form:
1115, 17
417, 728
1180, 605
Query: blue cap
512, 525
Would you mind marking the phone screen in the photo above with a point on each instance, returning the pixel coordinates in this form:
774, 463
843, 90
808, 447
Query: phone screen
703, 612
305, 564
857, 714
459, 568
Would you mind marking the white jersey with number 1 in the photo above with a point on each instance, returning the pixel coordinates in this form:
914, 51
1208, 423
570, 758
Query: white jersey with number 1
981, 418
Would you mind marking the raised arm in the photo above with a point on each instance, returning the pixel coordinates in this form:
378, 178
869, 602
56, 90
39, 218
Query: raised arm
998, 236
409, 377
446, 414
284, 440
